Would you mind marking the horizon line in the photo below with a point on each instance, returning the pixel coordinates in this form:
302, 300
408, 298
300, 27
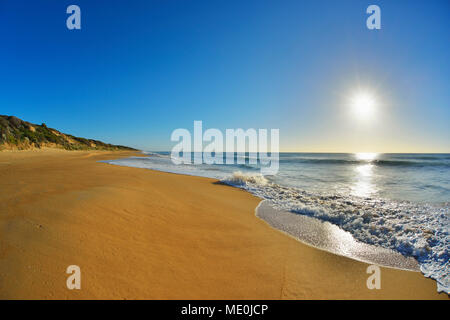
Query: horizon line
323, 152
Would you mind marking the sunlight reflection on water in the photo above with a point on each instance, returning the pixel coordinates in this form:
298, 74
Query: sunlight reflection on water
364, 185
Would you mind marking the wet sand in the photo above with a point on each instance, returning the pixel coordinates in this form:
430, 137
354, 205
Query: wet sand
143, 234
329, 237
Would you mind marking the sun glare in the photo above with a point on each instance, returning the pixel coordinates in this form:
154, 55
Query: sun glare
363, 105
368, 156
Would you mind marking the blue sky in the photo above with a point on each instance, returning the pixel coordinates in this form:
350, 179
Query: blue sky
137, 70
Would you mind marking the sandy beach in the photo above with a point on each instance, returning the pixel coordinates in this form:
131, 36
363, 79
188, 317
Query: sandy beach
142, 234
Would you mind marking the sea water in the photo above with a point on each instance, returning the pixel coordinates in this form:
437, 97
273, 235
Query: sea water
391, 201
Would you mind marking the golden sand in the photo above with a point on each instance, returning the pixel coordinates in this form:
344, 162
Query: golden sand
142, 234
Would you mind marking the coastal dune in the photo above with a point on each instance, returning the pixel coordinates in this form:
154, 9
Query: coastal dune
143, 234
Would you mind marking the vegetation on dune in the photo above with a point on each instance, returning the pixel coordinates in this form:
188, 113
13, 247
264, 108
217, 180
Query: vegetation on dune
22, 135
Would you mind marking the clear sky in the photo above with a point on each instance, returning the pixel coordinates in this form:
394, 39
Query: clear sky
137, 70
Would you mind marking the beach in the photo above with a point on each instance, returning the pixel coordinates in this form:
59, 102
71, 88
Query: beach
143, 234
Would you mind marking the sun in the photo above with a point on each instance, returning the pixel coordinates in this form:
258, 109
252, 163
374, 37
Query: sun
363, 105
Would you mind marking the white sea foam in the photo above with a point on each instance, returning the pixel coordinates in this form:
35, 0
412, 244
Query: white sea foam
243, 179
329, 237
414, 230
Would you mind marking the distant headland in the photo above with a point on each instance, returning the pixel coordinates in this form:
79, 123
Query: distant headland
16, 134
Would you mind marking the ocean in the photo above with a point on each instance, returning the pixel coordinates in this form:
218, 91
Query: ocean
396, 202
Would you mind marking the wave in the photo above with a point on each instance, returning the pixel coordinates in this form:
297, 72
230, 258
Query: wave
400, 160
378, 162
422, 156
242, 179
157, 154
416, 230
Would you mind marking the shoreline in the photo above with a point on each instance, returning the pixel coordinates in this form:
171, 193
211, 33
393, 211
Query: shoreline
371, 254
145, 234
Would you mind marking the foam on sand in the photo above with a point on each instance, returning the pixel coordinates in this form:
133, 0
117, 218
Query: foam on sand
329, 237
414, 230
